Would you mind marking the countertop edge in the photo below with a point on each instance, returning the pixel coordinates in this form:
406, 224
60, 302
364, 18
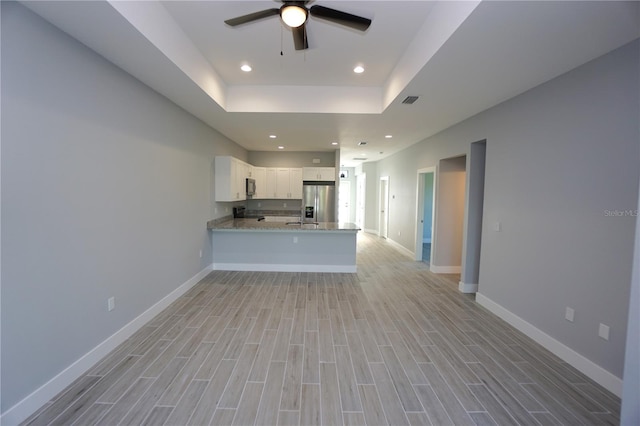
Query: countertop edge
253, 225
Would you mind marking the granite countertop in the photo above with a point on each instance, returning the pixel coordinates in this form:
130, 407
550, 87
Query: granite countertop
253, 224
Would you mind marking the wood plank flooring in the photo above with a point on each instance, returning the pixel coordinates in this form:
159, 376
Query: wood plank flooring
393, 344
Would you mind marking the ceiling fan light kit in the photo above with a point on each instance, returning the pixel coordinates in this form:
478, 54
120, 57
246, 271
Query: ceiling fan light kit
295, 14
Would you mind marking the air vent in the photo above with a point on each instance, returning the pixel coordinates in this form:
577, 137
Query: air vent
410, 99
358, 159
362, 143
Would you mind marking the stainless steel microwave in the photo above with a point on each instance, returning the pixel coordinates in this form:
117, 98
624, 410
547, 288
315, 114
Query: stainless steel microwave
251, 186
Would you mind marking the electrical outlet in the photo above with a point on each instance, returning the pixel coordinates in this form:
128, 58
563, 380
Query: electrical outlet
200, 254
497, 226
215, 210
111, 304
603, 331
226, 209
259, 204
284, 204
569, 313
295, 240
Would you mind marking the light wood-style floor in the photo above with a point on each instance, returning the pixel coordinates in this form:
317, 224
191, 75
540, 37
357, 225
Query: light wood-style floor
393, 344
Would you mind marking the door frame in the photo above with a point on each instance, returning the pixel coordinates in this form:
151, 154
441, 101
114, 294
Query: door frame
383, 218
420, 211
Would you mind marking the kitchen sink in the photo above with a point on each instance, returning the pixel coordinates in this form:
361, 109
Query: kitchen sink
280, 219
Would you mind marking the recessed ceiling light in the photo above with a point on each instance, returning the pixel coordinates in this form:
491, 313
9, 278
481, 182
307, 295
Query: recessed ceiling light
246, 68
272, 136
388, 136
359, 69
334, 143
281, 147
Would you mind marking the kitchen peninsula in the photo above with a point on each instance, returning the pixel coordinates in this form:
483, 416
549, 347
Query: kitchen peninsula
269, 244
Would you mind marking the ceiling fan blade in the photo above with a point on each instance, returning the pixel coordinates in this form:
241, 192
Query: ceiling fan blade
300, 37
252, 17
343, 18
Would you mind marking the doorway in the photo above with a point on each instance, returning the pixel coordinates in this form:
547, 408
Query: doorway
425, 214
384, 207
446, 257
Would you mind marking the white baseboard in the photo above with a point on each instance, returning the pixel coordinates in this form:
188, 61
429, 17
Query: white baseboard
371, 231
264, 267
401, 248
445, 269
592, 370
23, 409
467, 287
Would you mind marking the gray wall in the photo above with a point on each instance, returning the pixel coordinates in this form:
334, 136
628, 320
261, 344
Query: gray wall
630, 410
291, 159
558, 158
106, 190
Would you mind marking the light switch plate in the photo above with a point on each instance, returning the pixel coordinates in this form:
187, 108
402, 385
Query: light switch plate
569, 313
603, 331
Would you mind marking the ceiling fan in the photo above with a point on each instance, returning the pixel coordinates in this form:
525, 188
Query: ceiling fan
295, 14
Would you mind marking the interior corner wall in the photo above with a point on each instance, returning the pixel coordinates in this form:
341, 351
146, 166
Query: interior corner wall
630, 410
562, 165
106, 190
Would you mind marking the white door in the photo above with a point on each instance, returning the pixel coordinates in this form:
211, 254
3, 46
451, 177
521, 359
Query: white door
384, 206
344, 201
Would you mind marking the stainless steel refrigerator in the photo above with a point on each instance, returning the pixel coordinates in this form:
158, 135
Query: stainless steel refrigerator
319, 202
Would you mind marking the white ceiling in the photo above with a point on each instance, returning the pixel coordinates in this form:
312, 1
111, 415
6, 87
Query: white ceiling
460, 57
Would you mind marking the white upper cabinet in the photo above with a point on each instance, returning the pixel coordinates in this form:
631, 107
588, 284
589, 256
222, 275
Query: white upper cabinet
230, 179
288, 183
295, 183
271, 182
319, 173
260, 176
